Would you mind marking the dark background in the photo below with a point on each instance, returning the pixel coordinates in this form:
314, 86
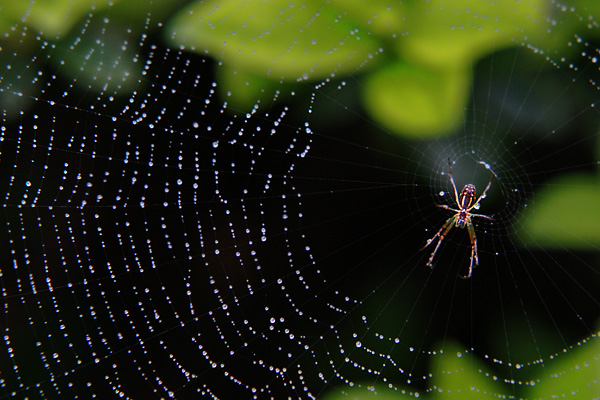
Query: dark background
179, 294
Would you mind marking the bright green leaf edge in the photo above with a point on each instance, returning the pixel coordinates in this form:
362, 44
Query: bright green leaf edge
52, 18
565, 213
242, 89
460, 375
417, 102
573, 375
456, 34
306, 41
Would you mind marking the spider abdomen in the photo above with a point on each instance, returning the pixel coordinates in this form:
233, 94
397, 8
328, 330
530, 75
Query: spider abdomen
467, 197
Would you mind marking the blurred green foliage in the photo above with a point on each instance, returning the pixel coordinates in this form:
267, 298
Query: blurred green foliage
52, 18
566, 214
265, 44
459, 375
55, 19
96, 55
419, 88
420, 101
276, 39
573, 374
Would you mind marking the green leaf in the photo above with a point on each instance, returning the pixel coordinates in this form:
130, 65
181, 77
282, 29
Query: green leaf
297, 41
459, 375
417, 102
574, 374
455, 34
242, 89
111, 67
564, 213
53, 18
381, 18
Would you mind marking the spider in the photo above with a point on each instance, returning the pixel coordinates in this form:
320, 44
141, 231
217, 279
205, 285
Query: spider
462, 218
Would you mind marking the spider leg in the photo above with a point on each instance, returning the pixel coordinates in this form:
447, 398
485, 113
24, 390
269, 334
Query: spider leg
445, 207
474, 256
483, 194
453, 184
482, 216
441, 234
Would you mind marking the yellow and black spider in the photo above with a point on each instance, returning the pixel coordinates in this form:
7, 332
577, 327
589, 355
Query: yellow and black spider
462, 218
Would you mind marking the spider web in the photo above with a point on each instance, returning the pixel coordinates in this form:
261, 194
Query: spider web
161, 243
